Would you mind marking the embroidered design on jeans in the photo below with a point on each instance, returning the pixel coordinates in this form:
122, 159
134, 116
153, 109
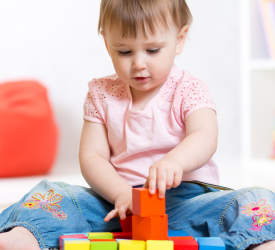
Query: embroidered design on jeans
256, 209
59, 215
261, 212
47, 202
261, 220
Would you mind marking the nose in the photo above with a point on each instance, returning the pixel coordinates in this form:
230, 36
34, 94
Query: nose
139, 62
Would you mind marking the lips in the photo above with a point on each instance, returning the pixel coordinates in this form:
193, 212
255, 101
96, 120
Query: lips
142, 79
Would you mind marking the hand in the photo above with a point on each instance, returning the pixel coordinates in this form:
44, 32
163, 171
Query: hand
123, 206
165, 174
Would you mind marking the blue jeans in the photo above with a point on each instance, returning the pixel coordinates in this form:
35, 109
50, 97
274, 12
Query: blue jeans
241, 218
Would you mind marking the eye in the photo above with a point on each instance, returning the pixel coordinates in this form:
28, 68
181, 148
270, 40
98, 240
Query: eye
124, 53
153, 51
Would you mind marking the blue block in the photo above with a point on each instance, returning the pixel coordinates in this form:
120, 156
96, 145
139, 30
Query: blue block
217, 238
209, 243
177, 233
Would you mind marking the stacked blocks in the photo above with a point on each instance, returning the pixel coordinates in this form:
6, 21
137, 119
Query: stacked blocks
149, 221
146, 229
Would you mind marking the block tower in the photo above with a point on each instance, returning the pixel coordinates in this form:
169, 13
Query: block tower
149, 221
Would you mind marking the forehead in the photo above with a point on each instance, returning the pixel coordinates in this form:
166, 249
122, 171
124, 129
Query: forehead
160, 34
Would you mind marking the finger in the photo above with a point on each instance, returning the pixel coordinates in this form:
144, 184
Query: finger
169, 179
122, 212
152, 180
161, 180
111, 215
146, 184
177, 179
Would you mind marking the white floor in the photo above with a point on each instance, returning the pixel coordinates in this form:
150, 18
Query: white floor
12, 189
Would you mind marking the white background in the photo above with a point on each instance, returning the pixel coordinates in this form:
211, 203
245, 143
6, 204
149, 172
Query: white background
56, 42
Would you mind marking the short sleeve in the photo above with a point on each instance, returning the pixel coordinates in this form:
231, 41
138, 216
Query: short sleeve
191, 94
92, 108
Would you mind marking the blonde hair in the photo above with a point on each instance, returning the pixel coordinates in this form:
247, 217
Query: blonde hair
128, 17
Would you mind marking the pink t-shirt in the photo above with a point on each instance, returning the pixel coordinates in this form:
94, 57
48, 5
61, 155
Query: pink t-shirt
137, 139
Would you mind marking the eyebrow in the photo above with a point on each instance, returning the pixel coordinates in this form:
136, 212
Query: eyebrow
147, 44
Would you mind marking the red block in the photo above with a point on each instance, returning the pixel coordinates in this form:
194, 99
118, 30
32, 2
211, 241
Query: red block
186, 244
122, 235
150, 228
126, 225
72, 236
146, 204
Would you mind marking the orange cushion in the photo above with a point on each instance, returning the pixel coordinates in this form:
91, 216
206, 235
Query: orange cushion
28, 132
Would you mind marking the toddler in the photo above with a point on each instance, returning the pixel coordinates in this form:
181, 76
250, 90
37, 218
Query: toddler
151, 124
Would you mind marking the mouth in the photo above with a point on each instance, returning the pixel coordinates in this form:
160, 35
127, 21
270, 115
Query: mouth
142, 79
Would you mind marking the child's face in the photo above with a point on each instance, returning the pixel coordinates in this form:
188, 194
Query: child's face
145, 63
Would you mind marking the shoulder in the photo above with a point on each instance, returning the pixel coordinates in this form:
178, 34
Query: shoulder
190, 95
193, 89
107, 88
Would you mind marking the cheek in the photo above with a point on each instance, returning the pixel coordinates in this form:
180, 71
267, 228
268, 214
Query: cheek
121, 67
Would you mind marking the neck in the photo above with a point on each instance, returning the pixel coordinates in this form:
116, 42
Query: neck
141, 98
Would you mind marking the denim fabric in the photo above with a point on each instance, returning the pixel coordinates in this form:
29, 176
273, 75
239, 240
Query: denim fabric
241, 218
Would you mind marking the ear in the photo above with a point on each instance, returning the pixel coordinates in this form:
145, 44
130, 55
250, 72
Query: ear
105, 40
181, 39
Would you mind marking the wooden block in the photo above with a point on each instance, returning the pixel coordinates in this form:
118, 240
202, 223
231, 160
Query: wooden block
146, 204
77, 244
209, 243
150, 228
131, 245
197, 238
177, 233
70, 236
159, 245
185, 244
122, 235
100, 235
103, 240
126, 225
103, 245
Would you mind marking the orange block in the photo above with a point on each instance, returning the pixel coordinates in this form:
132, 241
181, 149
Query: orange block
150, 228
146, 204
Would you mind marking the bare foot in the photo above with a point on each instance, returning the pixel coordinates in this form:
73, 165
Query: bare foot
269, 245
19, 238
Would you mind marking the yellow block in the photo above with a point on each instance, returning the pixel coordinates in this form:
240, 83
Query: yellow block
159, 245
100, 235
131, 245
77, 245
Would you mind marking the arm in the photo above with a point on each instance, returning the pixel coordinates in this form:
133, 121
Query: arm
192, 153
94, 155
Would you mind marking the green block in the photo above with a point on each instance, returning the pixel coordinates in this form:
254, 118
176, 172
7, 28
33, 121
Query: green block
100, 236
103, 245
